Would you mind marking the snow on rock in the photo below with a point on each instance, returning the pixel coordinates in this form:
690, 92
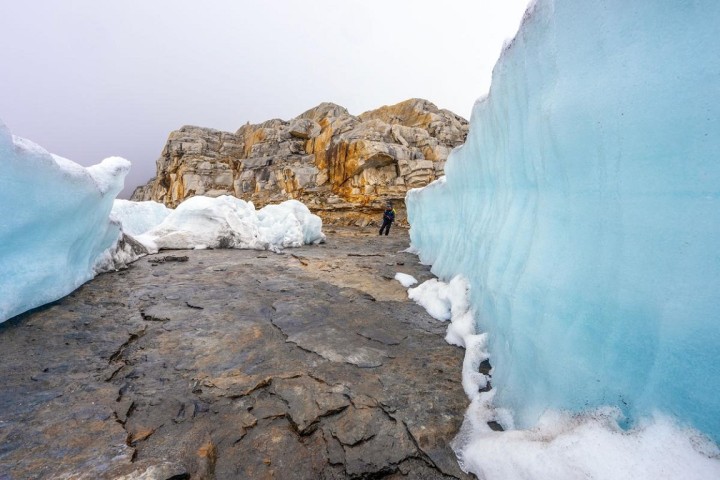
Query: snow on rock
440, 299
55, 231
405, 279
228, 222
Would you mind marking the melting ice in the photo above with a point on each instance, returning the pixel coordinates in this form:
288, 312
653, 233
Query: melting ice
228, 222
60, 224
589, 187
55, 231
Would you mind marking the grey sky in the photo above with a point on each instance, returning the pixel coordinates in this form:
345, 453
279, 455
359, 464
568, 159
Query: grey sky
89, 79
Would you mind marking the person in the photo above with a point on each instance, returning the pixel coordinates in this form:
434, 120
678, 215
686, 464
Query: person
388, 219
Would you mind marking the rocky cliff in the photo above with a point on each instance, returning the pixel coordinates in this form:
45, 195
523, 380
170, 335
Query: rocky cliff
344, 167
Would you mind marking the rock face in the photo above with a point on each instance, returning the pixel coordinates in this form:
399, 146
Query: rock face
343, 167
236, 364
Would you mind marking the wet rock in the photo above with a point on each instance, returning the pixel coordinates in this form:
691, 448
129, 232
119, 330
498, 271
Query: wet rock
287, 371
309, 399
373, 441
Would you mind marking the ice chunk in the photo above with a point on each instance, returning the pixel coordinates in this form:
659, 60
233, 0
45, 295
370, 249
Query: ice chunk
584, 209
228, 222
441, 299
55, 232
405, 279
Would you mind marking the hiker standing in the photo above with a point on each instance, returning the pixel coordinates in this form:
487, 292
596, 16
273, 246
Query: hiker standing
388, 218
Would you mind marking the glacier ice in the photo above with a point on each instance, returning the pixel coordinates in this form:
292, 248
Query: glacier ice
60, 224
561, 446
228, 222
139, 217
55, 231
584, 211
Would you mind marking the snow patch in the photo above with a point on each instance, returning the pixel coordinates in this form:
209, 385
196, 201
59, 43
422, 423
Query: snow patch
228, 222
405, 279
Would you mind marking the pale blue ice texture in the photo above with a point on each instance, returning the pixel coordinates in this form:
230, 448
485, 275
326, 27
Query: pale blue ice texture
584, 209
139, 217
54, 225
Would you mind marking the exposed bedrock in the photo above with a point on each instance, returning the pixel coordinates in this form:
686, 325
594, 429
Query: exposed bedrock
231, 364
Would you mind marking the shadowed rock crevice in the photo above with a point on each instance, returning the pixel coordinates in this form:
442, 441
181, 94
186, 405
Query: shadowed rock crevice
116, 356
117, 360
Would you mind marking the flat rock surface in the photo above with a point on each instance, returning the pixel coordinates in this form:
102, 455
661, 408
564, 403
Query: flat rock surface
311, 364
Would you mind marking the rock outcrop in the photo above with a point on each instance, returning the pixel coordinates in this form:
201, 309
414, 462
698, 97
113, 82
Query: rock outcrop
344, 167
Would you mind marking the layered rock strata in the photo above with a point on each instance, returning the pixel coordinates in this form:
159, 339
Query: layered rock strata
344, 167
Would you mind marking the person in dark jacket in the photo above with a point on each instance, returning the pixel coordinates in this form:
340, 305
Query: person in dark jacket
388, 218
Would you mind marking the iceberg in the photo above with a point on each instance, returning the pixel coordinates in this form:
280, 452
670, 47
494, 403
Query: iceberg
584, 211
55, 230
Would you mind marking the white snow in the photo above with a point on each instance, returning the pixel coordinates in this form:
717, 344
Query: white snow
228, 222
139, 217
441, 299
405, 279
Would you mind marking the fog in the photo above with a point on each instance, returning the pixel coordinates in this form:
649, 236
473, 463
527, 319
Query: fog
88, 80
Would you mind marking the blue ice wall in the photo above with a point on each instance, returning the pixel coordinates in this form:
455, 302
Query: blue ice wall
54, 222
585, 210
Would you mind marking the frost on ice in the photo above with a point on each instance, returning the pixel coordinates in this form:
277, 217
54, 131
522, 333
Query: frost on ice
55, 232
584, 210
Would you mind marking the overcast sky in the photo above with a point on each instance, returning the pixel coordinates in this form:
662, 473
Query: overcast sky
91, 79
